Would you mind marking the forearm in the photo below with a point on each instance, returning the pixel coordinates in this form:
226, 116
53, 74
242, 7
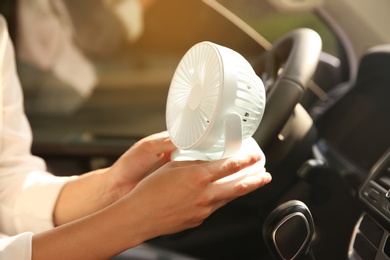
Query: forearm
98, 236
83, 196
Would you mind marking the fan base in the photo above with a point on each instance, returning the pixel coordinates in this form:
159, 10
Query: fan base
248, 146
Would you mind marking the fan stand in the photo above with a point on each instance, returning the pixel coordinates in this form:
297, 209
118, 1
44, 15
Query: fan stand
235, 145
248, 146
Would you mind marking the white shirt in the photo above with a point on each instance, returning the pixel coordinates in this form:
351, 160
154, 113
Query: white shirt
28, 193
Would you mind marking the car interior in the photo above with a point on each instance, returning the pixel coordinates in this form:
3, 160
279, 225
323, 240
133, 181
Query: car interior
325, 131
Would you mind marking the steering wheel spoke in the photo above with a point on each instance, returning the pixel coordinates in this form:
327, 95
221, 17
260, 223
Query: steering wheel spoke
286, 70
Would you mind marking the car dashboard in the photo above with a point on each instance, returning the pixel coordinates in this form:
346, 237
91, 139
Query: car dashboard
354, 141
370, 239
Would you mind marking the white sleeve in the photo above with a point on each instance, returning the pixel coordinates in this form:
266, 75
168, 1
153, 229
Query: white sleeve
27, 192
16, 247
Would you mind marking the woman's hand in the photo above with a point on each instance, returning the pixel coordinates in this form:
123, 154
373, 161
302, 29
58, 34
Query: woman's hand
140, 160
181, 195
96, 190
175, 197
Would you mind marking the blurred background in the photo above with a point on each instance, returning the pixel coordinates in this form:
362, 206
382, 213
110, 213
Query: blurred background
96, 73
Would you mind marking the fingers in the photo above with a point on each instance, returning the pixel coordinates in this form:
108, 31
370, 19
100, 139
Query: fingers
242, 180
159, 142
162, 143
225, 192
226, 167
160, 135
229, 178
241, 183
251, 182
219, 169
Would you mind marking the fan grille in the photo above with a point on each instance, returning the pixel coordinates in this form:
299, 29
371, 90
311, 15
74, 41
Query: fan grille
193, 95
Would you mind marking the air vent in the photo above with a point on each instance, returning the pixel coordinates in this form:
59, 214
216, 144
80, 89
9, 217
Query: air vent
368, 240
375, 193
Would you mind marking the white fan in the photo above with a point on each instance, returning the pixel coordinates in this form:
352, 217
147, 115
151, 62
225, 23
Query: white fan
215, 104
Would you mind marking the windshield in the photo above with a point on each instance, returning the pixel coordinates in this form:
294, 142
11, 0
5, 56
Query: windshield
94, 84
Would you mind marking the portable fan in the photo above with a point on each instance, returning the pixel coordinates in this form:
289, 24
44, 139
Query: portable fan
215, 104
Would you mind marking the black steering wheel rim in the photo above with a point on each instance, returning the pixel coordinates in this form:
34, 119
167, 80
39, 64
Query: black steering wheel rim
286, 69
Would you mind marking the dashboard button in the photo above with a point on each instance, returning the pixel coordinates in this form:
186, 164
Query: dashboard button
374, 194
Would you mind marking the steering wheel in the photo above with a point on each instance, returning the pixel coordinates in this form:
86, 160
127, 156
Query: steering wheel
286, 70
